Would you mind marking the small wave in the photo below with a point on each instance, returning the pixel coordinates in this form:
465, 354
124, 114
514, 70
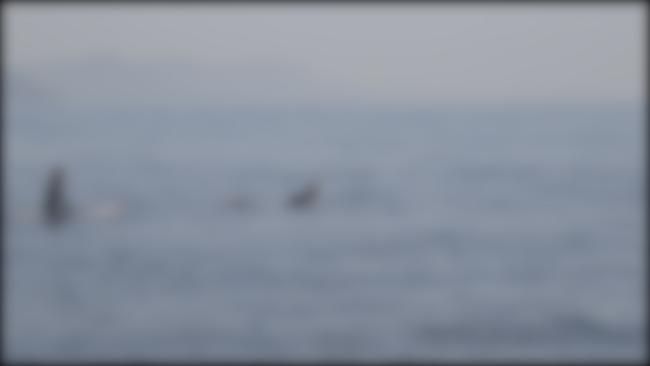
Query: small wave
557, 328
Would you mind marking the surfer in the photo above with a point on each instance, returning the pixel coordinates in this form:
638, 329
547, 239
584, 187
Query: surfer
55, 208
305, 198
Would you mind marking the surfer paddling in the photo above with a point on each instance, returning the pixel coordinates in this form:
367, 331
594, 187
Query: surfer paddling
55, 208
305, 198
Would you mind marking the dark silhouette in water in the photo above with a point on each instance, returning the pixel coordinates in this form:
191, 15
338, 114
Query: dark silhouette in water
55, 208
306, 197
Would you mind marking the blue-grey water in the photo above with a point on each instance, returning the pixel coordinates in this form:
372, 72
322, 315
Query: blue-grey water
440, 234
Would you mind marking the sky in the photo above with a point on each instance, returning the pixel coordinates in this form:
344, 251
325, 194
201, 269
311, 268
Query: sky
282, 54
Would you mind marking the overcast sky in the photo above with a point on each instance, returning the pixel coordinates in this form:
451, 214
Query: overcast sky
206, 54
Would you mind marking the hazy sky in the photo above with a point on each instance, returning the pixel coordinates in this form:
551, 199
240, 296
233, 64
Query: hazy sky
206, 54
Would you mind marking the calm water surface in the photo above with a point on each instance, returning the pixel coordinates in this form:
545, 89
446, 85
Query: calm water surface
440, 234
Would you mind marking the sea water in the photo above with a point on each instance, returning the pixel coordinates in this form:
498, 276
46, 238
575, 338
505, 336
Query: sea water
440, 233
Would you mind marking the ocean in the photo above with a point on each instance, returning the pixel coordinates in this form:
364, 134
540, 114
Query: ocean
440, 233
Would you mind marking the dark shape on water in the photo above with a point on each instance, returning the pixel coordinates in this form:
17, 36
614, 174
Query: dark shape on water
306, 197
55, 209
